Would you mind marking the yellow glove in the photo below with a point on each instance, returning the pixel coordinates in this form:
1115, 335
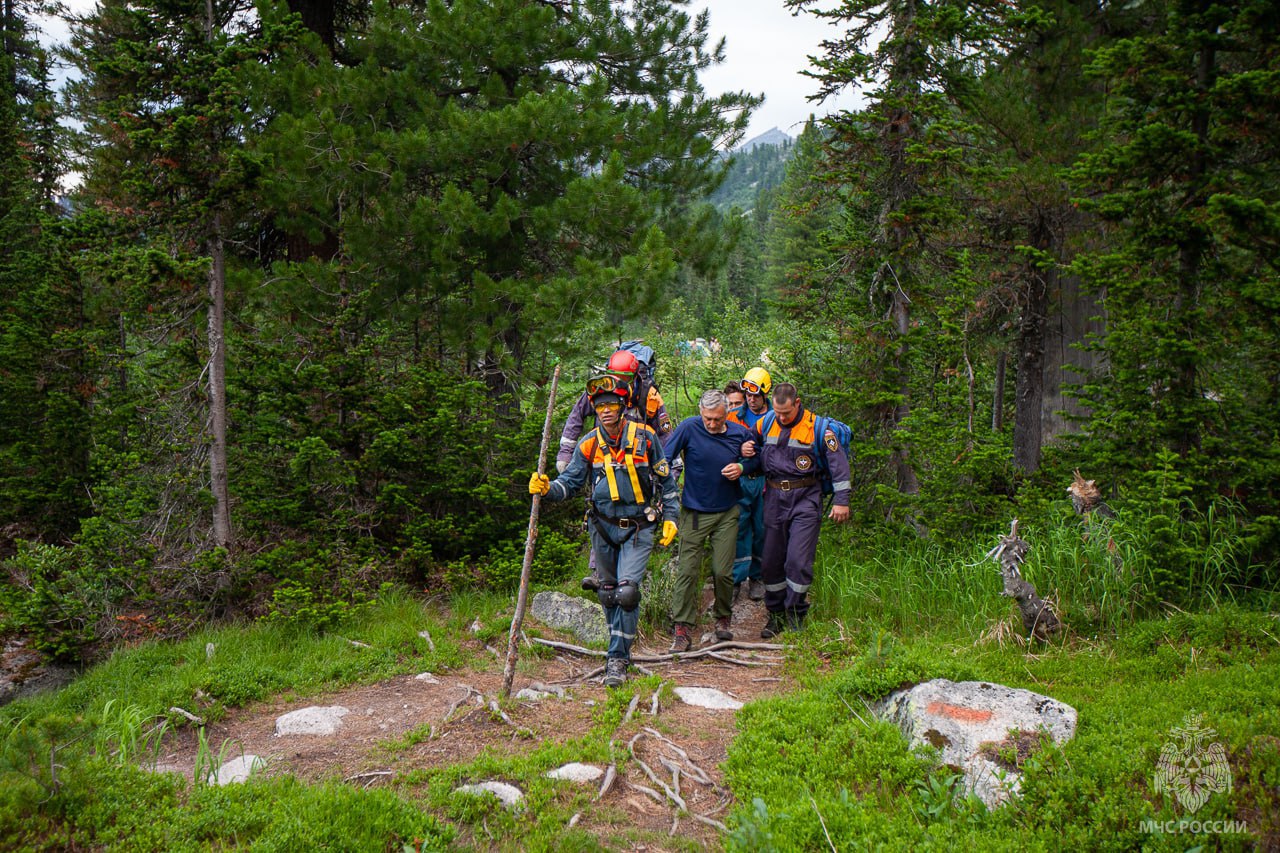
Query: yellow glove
539, 484
668, 533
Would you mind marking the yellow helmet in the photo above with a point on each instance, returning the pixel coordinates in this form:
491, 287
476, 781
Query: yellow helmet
757, 381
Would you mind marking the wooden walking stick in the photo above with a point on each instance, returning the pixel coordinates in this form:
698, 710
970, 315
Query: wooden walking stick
522, 598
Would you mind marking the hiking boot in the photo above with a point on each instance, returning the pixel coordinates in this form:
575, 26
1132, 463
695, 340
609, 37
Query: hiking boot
615, 672
591, 583
774, 626
682, 640
755, 590
795, 620
722, 629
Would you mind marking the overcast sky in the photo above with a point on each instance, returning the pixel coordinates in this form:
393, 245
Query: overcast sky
766, 50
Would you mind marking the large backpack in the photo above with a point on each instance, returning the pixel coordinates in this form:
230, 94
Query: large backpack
841, 430
648, 361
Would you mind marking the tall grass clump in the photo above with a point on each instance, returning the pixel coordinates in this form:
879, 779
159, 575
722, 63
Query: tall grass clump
912, 587
1099, 572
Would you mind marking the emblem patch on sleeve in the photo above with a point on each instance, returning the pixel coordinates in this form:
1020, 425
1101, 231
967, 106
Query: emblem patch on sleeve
804, 463
662, 469
832, 444
664, 424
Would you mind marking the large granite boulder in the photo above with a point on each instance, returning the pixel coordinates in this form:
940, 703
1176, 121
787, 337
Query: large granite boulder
983, 730
580, 617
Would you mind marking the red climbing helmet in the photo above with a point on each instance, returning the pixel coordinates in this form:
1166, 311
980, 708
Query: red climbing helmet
624, 365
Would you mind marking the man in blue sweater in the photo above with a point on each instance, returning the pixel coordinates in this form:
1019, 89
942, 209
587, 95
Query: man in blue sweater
712, 449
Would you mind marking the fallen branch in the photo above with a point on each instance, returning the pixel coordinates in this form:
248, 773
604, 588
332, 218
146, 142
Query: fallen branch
653, 777
699, 774
465, 697
709, 822
648, 791
199, 721
737, 661
661, 658
609, 776
372, 775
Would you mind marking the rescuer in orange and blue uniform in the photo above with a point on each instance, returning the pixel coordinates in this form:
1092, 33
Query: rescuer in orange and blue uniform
644, 405
629, 478
793, 505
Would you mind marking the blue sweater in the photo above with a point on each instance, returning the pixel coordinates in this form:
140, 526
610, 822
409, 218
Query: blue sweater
705, 488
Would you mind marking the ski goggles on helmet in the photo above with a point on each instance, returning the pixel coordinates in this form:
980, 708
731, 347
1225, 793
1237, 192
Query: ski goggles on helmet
605, 384
751, 387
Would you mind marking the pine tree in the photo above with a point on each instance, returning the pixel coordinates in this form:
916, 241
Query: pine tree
163, 101
489, 170
1187, 177
43, 416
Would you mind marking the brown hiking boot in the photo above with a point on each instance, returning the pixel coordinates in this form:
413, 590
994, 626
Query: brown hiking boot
615, 672
682, 639
755, 590
722, 629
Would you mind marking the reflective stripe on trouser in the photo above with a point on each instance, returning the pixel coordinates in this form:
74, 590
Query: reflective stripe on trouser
701, 532
617, 563
750, 546
791, 521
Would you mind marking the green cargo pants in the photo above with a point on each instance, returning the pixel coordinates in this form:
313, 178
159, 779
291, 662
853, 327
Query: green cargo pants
700, 531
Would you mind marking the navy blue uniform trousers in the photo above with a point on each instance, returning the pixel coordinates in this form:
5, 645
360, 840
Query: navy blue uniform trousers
792, 520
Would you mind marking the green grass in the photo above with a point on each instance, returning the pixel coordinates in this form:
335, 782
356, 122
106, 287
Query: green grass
815, 765
809, 770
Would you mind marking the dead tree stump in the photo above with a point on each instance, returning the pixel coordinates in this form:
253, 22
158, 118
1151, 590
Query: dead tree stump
1038, 618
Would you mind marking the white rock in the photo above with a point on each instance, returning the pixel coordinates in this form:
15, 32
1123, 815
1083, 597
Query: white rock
311, 721
575, 772
238, 769
508, 795
967, 721
531, 694
707, 697
427, 677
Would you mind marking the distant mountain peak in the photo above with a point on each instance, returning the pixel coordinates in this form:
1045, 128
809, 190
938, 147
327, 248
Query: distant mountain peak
772, 136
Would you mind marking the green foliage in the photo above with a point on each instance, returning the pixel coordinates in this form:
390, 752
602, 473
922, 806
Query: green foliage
59, 597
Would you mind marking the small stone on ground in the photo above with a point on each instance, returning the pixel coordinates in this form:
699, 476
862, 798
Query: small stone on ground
575, 772
239, 769
707, 697
311, 721
508, 795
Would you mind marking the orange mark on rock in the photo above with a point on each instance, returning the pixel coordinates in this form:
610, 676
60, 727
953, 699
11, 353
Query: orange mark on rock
958, 712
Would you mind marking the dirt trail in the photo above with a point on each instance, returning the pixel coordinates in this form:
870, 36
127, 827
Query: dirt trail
382, 714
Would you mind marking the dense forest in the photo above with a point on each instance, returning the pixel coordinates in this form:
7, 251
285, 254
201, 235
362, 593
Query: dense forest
290, 335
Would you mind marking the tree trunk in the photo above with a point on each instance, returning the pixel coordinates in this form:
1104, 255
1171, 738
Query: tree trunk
997, 403
899, 130
218, 390
1029, 381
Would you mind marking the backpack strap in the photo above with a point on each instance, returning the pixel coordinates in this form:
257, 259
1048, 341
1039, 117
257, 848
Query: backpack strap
820, 427
765, 424
629, 458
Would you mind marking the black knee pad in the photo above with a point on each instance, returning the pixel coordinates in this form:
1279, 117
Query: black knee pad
608, 595
628, 595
